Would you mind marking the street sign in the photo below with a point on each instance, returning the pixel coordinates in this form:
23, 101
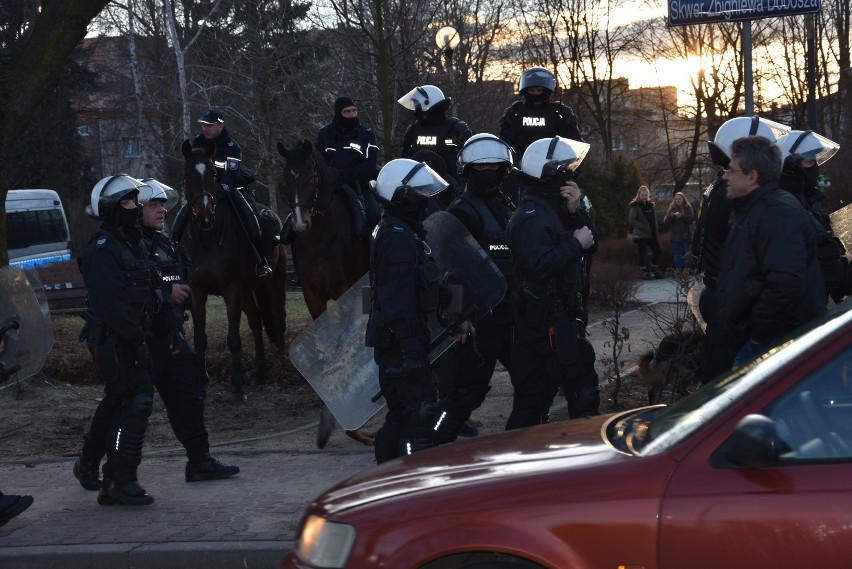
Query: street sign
687, 12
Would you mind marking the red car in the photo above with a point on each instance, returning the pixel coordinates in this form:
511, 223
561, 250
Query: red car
753, 470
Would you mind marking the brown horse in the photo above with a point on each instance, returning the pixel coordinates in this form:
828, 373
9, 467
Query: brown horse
224, 265
327, 255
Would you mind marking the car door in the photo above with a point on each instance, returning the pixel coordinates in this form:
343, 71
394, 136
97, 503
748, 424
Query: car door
796, 514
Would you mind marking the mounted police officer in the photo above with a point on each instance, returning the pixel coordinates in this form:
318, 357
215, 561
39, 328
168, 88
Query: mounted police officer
351, 151
484, 161
433, 130
804, 152
123, 289
232, 182
548, 235
536, 116
405, 289
713, 222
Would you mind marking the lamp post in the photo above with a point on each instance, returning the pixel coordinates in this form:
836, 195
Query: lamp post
447, 39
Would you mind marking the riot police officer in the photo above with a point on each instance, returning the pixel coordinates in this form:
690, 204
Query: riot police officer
120, 280
536, 116
548, 235
232, 182
432, 129
713, 221
405, 289
351, 151
804, 152
177, 374
484, 161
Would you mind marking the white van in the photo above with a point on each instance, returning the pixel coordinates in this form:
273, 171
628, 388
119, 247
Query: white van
37, 228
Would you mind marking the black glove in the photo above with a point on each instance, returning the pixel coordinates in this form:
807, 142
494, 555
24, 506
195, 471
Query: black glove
143, 357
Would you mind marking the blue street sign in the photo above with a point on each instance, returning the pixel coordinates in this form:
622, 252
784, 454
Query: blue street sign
686, 12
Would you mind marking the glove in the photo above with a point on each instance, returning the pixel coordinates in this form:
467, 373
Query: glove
143, 357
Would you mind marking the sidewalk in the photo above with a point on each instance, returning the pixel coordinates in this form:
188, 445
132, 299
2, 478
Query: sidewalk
249, 521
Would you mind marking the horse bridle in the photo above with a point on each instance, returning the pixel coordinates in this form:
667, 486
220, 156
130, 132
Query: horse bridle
204, 223
311, 206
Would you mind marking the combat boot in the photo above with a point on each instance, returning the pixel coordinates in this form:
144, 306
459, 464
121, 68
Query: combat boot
208, 468
87, 473
12, 505
129, 493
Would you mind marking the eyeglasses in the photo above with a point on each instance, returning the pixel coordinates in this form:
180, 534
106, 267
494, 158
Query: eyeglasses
729, 170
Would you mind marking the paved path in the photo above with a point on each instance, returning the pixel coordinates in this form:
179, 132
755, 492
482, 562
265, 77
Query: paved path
249, 521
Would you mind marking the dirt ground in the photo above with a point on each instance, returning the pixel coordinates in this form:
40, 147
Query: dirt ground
48, 414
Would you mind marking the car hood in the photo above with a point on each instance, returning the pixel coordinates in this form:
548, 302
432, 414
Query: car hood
523, 452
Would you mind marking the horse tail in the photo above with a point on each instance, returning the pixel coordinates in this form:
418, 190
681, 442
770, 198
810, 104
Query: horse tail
271, 300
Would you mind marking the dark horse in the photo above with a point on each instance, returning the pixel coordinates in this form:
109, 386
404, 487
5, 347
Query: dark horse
224, 265
327, 255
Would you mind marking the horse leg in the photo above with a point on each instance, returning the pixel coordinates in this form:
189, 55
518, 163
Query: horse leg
256, 326
235, 345
199, 330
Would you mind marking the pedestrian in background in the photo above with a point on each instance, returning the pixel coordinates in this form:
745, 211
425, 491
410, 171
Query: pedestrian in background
642, 222
679, 218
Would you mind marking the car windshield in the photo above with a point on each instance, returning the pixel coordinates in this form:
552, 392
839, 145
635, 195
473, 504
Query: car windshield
652, 430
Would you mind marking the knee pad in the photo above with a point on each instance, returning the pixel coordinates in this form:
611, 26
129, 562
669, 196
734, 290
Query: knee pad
141, 405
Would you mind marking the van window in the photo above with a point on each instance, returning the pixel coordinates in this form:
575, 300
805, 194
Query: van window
27, 228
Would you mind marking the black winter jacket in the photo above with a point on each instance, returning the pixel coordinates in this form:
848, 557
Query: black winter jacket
769, 281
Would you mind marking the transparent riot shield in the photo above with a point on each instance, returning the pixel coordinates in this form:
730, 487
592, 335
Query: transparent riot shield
330, 351
26, 323
841, 223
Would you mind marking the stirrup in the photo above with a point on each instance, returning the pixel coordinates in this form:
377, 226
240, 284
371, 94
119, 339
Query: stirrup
262, 269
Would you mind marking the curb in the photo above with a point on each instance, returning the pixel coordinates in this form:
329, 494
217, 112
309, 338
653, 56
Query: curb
177, 555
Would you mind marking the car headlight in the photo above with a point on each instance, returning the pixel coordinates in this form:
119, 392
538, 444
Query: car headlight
325, 544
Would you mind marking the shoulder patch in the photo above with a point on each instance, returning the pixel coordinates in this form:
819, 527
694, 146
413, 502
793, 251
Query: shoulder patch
101, 241
231, 143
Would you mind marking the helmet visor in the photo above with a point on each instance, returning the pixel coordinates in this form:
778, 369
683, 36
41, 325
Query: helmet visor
424, 180
812, 146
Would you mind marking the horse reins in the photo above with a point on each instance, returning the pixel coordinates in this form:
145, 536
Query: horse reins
312, 206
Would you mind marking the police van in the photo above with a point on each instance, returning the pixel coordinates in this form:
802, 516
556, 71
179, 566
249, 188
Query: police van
37, 228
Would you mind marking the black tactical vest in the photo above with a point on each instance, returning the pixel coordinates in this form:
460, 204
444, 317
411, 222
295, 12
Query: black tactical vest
533, 123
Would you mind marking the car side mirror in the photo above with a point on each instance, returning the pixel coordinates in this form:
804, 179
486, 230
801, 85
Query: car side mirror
755, 443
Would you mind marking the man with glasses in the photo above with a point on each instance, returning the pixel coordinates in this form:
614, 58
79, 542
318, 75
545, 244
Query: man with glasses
769, 277
712, 230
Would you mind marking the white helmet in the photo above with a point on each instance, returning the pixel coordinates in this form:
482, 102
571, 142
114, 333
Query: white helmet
808, 145
161, 192
546, 155
109, 191
422, 98
401, 176
720, 146
484, 148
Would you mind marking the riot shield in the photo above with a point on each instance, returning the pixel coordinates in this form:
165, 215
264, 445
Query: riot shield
25, 318
841, 223
330, 351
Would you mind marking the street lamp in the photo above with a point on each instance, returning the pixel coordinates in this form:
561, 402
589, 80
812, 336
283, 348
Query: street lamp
447, 39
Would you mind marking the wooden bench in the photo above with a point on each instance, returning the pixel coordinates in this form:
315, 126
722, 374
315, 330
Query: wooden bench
67, 297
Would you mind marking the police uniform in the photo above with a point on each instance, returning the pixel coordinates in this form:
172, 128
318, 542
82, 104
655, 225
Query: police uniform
523, 123
119, 279
439, 134
471, 365
353, 153
713, 223
404, 282
227, 159
548, 278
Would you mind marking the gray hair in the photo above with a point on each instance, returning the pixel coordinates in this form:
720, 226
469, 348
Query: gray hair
760, 154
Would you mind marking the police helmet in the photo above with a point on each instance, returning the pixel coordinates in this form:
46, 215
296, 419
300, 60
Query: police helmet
421, 99
400, 178
544, 156
484, 148
160, 192
808, 145
536, 77
110, 191
720, 146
